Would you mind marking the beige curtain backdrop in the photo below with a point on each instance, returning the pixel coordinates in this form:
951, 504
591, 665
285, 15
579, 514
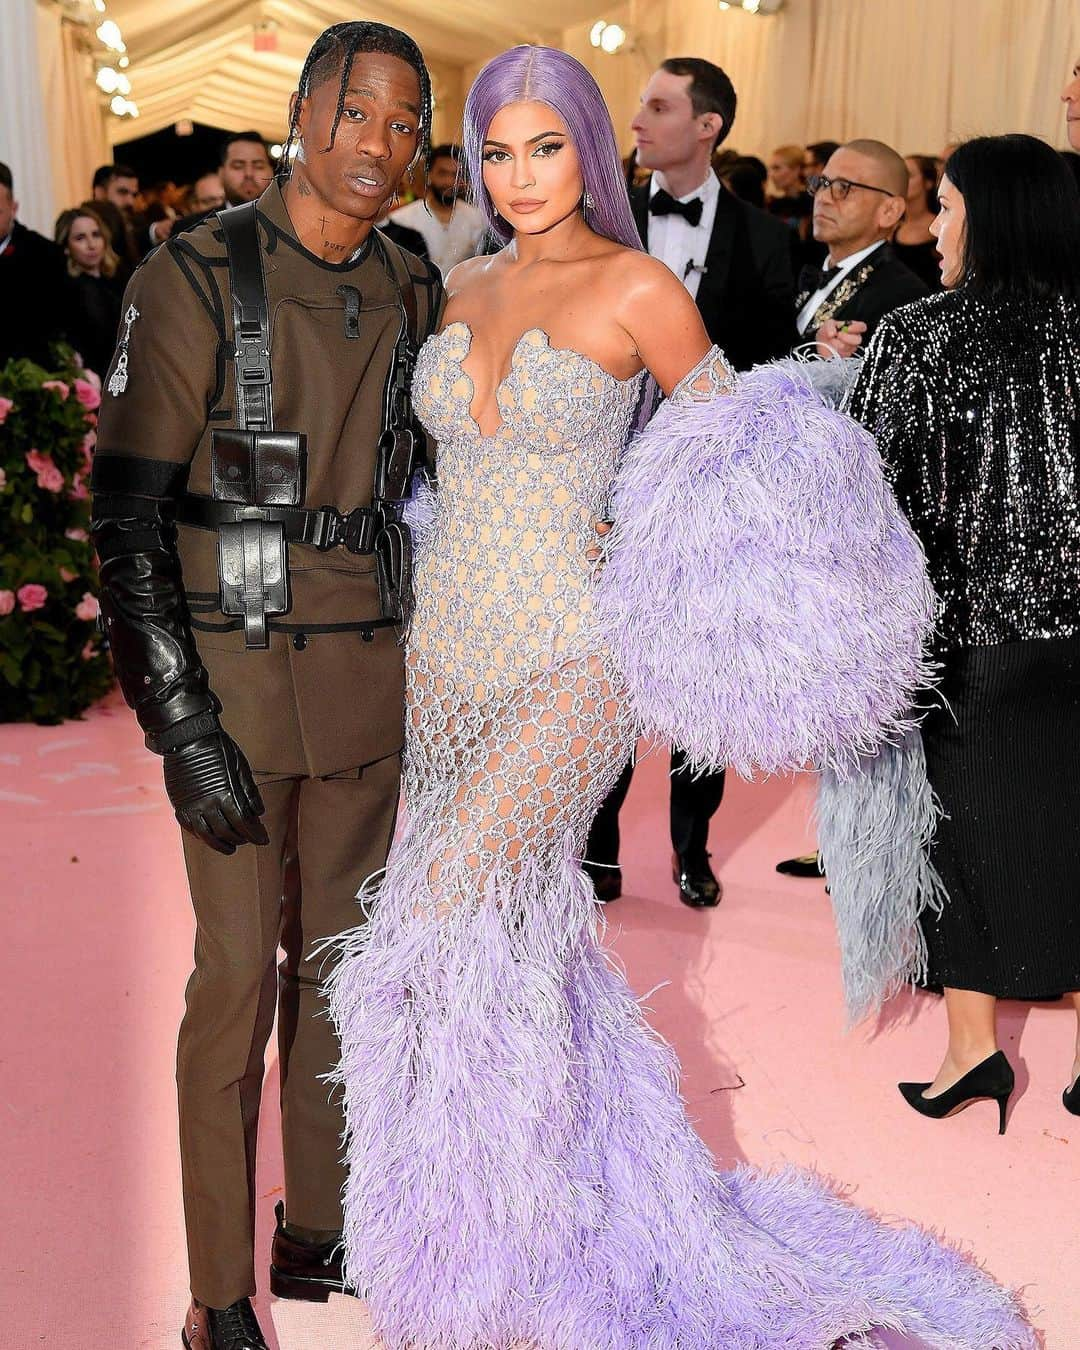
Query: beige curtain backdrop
914, 73
74, 117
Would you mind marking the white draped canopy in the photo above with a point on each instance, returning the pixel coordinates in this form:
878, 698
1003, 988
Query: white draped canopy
915, 73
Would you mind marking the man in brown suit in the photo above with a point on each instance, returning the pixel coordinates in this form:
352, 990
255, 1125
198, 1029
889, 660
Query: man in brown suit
251, 635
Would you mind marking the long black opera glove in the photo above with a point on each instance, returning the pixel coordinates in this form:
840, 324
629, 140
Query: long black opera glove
207, 778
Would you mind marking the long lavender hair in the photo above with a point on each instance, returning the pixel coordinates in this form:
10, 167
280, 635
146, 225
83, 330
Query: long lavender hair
545, 75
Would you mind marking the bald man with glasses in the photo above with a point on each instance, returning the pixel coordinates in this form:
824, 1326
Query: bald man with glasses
859, 200
858, 203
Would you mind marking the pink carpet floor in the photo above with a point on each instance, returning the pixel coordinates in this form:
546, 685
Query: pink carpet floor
95, 906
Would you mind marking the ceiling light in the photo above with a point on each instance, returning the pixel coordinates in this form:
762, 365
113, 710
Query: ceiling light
275, 152
108, 81
612, 38
751, 6
723, 4
596, 31
109, 34
124, 62
99, 5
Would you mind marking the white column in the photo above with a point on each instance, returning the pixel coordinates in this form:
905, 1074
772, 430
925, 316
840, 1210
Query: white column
24, 142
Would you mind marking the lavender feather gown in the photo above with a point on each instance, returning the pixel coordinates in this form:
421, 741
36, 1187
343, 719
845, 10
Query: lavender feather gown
521, 1168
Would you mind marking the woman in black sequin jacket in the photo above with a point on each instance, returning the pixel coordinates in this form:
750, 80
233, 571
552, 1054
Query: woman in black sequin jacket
974, 399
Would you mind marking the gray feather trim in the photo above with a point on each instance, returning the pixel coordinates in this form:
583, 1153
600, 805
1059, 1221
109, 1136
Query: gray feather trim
875, 828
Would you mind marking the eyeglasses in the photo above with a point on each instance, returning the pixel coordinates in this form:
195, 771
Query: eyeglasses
840, 188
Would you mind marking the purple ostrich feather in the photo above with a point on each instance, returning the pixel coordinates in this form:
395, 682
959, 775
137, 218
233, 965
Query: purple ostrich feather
522, 1171
763, 595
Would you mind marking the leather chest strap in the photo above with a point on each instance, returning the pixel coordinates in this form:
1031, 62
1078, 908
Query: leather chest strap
251, 318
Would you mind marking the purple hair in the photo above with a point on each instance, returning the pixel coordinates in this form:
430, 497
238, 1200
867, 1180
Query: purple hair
545, 75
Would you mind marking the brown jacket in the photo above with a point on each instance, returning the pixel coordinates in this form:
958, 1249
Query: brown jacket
312, 703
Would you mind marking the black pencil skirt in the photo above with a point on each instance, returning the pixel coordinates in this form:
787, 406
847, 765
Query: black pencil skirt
1004, 759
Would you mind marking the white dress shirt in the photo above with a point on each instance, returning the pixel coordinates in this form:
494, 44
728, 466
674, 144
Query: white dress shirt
811, 307
675, 241
447, 244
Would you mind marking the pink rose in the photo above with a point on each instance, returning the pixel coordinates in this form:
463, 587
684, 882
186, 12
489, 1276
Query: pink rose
67, 574
87, 395
88, 652
7, 602
50, 479
79, 491
61, 389
87, 608
31, 597
37, 460
80, 536
90, 377
6, 406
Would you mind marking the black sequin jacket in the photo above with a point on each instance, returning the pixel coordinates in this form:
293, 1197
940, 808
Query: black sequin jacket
975, 406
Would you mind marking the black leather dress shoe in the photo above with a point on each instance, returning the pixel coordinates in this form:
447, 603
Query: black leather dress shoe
607, 882
698, 887
233, 1328
809, 865
311, 1271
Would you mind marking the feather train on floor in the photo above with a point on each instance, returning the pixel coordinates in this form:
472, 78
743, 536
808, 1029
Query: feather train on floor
763, 595
522, 1169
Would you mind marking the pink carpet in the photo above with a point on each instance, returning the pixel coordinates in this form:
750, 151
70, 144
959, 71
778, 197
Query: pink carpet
94, 898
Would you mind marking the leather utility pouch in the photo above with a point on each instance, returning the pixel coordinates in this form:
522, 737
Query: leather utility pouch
393, 565
394, 461
254, 572
258, 468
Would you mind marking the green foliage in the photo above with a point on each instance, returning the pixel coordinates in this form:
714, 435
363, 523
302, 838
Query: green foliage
51, 662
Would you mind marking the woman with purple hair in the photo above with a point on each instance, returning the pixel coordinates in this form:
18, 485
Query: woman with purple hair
522, 1170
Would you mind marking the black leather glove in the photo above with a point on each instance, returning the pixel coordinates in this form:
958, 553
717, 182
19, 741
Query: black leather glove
213, 792
161, 674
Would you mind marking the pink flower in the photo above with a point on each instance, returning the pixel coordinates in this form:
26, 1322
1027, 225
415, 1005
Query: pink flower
80, 536
50, 479
67, 574
79, 491
90, 377
61, 389
88, 652
6, 406
7, 602
31, 597
37, 460
87, 395
87, 608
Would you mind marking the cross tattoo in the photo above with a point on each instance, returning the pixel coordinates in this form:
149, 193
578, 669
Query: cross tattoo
322, 222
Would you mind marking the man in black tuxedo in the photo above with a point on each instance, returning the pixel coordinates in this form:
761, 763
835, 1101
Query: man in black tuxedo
737, 262
31, 285
858, 203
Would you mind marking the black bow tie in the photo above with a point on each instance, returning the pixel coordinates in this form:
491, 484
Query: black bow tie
814, 279
662, 203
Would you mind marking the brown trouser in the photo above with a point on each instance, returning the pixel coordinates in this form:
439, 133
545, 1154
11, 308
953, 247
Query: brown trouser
326, 836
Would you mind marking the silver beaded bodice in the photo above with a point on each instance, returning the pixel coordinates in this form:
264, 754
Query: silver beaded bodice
975, 405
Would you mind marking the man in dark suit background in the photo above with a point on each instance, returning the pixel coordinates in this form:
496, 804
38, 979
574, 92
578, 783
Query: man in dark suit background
859, 201
31, 284
737, 262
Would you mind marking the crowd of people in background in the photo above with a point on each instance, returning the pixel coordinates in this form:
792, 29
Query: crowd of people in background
71, 287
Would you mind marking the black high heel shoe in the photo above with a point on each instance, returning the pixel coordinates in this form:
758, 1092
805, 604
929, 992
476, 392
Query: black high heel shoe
1071, 1098
993, 1079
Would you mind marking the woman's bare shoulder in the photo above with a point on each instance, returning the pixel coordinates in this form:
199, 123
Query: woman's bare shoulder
470, 272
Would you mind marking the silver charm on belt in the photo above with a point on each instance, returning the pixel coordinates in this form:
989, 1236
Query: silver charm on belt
119, 378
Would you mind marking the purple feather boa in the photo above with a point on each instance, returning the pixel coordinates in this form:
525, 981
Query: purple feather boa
522, 1172
763, 596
